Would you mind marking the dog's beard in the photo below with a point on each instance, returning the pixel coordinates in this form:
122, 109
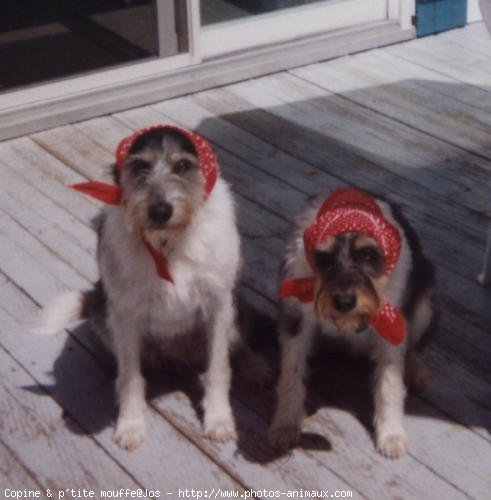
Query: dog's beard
367, 305
137, 220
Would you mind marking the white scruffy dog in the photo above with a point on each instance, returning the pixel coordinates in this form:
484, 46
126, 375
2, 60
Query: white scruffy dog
354, 270
169, 256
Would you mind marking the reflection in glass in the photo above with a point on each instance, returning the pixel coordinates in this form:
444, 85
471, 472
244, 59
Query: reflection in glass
42, 40
215, 11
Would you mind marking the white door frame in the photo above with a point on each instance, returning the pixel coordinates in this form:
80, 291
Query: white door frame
289, 23
402, 11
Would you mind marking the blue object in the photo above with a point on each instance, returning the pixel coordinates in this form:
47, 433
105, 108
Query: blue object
434, 16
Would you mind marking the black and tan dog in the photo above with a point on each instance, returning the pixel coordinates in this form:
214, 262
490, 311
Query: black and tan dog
355, 270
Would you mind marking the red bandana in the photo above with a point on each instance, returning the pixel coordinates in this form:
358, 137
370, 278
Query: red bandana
111, 194
344, 211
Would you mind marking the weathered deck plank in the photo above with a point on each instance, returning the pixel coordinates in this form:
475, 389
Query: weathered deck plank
408, 93
63, 370
14, 475
448, 58
181, 414
54, 454
96, 130
411, 121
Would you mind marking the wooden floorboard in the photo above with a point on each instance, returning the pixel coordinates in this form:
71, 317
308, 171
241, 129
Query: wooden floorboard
409, 94
411, 122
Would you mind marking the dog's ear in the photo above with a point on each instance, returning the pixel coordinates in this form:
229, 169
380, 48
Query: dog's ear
115, 174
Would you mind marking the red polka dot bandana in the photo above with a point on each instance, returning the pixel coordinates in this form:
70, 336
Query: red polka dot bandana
344, 211
206, 156
111, 194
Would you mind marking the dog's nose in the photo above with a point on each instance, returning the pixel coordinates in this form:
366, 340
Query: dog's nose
160, 212
344, 303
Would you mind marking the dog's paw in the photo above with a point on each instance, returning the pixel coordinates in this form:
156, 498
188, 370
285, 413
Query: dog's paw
392, 445
130, 434
220, 429
282, 437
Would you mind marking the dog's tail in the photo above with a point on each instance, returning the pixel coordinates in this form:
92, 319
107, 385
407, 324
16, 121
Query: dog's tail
59, 313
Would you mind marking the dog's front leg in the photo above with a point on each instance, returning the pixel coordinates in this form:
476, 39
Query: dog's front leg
218, 421
390, 392
130, 384
295, 346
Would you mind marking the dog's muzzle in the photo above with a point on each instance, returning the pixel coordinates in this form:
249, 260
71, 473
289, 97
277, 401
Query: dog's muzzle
345, 302
160, 213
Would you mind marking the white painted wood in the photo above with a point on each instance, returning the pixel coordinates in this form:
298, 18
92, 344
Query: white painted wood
82, 155
55, 228
448, 58
380, 81
33, 427
428, 434
49, 92
468, 40
166, 28
402, 11
287, 24
351, 458
473, 11
23, 256
14, 476
47, 175
428, 443
193, 10
477, 30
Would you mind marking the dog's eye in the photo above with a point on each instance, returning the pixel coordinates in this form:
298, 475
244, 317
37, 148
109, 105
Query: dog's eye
182, 166
324, 261
139, 167
367, 255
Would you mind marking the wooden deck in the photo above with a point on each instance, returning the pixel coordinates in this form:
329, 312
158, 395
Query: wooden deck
411, 121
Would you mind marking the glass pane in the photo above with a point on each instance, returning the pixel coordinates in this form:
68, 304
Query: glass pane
42, 40
215, 11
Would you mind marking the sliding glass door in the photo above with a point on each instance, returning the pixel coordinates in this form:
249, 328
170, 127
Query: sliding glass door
66, 60
235, 25
52, 39
215, 11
